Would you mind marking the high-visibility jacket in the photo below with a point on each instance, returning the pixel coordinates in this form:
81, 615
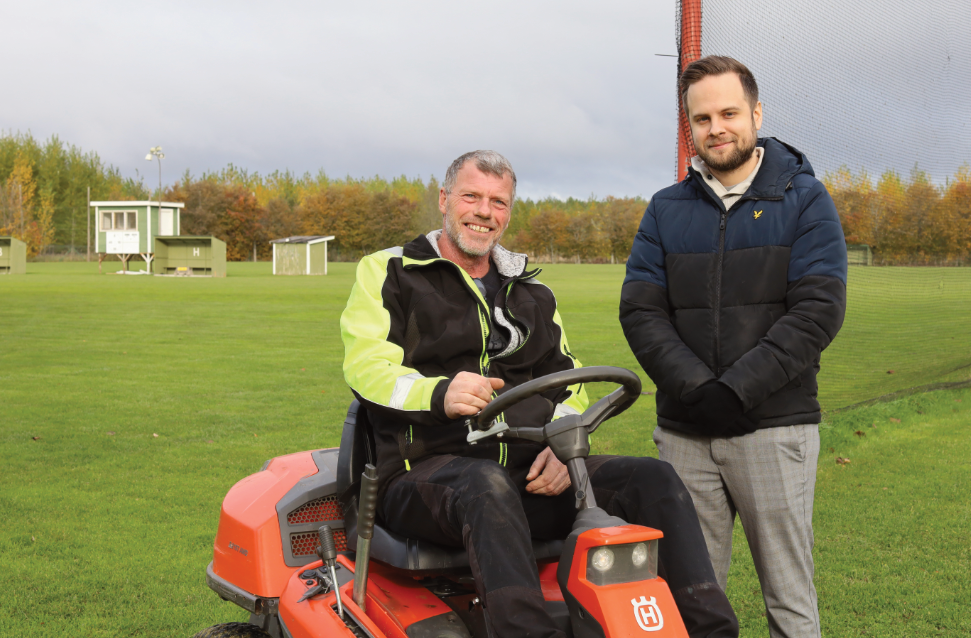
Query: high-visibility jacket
414, 320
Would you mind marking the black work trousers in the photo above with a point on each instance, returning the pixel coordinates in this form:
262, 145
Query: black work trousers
474, 503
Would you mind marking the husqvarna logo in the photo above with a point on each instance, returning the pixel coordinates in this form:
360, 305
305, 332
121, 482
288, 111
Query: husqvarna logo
647, 614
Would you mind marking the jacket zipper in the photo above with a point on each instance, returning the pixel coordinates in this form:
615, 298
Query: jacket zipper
485, 322
718, 288
721, 256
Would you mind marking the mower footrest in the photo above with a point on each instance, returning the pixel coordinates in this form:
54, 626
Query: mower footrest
250, 602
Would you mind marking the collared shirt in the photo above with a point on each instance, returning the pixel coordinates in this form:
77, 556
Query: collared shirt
727, 196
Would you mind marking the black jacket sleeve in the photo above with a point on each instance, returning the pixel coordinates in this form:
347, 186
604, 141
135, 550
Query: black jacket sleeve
815, 305
646, 318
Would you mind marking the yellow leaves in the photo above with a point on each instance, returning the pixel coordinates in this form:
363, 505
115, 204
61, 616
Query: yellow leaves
45, 221
17, 199
21, 214
905, 221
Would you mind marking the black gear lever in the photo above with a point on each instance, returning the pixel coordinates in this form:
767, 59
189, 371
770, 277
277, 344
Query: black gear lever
327, 551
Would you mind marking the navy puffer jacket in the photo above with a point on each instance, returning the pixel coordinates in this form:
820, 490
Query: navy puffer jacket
750, 296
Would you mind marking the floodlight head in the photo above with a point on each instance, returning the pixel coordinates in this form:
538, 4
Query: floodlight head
161, 155
149, 157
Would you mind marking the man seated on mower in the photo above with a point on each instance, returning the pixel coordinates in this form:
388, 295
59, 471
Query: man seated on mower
432, 332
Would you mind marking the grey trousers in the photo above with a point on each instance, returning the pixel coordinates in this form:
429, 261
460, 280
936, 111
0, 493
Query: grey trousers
768, 478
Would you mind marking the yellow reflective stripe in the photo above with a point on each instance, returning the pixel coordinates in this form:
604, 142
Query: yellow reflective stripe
411, 438
578, 394
484, 325
372, 364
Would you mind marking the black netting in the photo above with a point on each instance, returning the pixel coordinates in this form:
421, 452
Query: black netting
876, 94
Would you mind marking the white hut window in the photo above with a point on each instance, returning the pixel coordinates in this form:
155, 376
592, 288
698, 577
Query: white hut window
119, 220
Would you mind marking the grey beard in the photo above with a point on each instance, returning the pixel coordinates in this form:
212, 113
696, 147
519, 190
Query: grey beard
455, 234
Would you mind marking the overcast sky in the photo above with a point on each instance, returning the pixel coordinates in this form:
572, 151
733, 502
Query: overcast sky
571, 92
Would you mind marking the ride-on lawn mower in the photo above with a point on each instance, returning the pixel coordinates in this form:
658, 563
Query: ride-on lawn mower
284, 549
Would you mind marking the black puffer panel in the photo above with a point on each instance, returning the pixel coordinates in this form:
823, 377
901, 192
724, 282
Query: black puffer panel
750, 296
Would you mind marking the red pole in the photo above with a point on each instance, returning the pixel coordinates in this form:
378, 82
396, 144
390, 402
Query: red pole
690, 51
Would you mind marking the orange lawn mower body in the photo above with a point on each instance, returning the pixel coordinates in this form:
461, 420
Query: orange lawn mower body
268, 556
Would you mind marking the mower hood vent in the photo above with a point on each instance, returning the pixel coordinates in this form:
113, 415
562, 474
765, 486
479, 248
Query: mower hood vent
308, 505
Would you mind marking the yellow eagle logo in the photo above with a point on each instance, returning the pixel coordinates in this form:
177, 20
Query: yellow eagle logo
758, 214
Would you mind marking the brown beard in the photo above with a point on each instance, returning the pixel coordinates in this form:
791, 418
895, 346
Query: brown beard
737, 158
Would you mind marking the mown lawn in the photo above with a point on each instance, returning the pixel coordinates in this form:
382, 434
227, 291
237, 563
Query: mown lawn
107, 528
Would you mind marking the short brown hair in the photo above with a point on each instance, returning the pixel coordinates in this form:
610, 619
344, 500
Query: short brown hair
718, 65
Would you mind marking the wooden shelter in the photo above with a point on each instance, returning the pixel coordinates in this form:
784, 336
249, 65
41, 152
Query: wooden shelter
302, 255
13, 256
193, 256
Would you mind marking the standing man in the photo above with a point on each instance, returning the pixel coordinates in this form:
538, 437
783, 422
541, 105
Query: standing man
735, 284
433, 331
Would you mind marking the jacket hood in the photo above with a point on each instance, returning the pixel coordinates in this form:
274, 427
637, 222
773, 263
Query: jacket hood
780, 164
508, 263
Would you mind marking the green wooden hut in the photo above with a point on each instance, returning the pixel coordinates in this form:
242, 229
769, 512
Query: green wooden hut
859, 255
128, 229
302, 255
13, 256
195, 256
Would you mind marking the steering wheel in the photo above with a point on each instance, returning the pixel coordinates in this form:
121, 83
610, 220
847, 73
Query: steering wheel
607, 407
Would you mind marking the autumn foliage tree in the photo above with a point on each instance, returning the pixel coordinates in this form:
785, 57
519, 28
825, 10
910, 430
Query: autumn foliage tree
361, 221
906, 221
23, 214
55, 178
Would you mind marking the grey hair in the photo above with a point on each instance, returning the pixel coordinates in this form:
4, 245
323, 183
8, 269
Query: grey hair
487, 162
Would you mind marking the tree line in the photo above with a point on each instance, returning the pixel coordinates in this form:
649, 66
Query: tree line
247, 210
906, 221
43, 191
43, 201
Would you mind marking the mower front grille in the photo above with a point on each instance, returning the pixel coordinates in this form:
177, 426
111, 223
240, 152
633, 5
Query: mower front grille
305, 544
326, 508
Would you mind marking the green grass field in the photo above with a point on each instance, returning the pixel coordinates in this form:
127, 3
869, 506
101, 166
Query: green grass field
107, 528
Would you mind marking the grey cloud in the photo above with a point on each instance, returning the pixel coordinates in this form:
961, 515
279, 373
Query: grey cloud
570, 91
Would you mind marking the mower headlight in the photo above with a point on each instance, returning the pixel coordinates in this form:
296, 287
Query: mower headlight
626, 563
602, 559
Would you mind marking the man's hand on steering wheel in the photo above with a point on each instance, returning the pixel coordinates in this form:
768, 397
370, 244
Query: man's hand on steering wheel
547, 476
468, 393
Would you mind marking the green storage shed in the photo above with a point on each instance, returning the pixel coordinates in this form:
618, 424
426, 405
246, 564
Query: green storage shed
13, 256
302, 255
196, 256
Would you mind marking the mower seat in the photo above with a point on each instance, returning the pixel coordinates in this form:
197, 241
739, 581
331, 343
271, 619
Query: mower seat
357, 449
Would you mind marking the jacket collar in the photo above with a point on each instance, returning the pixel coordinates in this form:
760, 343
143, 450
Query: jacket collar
780, 163
425, 247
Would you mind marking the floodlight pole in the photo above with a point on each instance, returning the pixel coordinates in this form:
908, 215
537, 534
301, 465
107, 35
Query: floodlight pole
155, 151
690, 50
